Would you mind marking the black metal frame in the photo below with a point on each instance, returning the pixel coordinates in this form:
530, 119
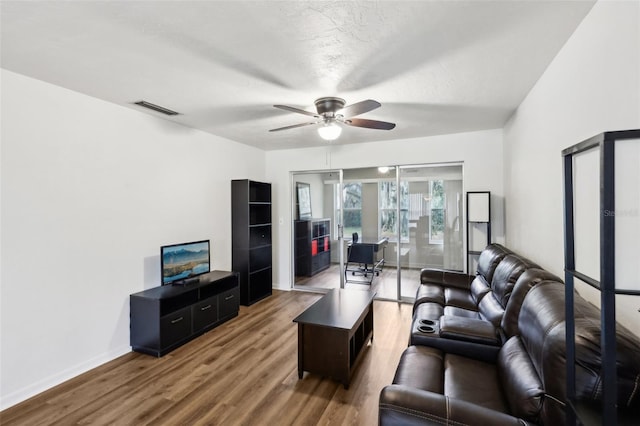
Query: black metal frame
605, 142
472, 252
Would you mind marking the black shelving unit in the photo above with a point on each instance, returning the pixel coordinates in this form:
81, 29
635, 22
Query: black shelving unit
312, 246
605, 143
478, 214
251, 251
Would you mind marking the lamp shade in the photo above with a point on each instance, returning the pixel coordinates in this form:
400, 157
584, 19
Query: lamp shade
330, 132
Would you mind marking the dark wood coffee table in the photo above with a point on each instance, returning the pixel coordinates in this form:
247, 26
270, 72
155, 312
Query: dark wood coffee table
333, 332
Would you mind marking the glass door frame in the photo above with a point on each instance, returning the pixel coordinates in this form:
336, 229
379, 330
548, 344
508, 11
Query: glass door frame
338, 206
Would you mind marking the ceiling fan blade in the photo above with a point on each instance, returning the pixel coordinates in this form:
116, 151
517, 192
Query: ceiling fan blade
359, 108
370, 124
299, 111
293, 126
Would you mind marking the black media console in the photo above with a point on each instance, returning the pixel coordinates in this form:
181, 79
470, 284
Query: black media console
163, 318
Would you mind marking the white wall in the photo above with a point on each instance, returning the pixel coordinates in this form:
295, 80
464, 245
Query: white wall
90, 191
480, 151
593, 85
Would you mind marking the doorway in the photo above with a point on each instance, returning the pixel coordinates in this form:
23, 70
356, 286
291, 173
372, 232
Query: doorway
411, 213
316, 231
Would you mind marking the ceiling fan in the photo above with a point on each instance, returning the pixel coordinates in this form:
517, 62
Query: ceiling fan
332, 111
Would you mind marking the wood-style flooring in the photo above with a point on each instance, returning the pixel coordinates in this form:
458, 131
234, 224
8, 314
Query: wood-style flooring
243, 372
385, 284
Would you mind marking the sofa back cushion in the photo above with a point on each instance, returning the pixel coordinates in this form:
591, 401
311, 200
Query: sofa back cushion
506, 275
529, 278
479, 288
492, 306
489, 260
490, 310
520, 382
542, 332
589, 379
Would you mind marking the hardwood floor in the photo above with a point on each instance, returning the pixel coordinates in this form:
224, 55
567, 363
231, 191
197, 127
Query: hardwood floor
243, 372
385, 284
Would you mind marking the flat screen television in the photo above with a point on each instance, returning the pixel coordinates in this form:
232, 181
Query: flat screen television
180, 263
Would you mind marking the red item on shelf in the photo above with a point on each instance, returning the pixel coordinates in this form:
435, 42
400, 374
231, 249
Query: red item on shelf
314, 247
326, 243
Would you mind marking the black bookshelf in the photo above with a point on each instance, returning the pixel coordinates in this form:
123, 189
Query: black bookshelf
251, 253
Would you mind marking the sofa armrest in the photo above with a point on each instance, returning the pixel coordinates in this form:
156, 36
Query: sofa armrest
446, 278
469, 330
403, 405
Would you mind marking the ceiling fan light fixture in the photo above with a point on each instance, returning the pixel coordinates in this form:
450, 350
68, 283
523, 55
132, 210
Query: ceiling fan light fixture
330, 131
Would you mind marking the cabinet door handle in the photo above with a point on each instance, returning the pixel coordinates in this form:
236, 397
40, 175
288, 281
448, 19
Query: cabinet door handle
177, 320
229, 297
204, 308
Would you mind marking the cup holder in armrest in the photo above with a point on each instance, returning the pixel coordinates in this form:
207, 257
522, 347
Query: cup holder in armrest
427, 322
426, 328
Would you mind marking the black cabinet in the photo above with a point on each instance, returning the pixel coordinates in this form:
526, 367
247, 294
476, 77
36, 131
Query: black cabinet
163, 318
251, 238
312, 246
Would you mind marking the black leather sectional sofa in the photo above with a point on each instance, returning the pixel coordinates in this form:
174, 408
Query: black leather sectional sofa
490, 350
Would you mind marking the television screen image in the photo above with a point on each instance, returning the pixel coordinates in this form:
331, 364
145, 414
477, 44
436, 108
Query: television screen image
183, 261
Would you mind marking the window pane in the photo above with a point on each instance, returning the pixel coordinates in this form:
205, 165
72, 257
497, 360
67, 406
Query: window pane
352, 195
388, 223
352, 202
404, 225
436, 218
437, 194
352, 222
404, 195
437, 225
387, 195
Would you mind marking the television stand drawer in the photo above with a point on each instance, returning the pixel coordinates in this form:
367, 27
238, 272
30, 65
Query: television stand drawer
205, 313
229, 302
175, 327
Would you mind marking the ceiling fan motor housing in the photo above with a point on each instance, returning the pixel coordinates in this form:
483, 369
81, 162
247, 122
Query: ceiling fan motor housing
329, 105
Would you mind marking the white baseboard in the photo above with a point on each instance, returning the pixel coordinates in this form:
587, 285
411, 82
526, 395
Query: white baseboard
277, 287
33, 389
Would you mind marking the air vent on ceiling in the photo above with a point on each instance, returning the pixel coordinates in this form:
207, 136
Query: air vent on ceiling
157, 108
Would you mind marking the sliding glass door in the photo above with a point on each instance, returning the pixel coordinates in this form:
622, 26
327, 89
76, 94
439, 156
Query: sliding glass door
432, 222
410, 215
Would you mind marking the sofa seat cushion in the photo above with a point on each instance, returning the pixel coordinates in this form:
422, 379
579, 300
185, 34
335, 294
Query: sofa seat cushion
459, 298
461, 312
429, 293
421, 367
431, 311
473, 381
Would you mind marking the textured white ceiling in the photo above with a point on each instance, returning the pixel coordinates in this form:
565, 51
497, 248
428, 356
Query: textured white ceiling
437, 67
